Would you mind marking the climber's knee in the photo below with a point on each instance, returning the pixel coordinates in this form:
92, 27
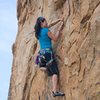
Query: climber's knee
42, 68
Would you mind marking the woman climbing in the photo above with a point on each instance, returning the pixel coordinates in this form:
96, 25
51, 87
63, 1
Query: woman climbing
48, 63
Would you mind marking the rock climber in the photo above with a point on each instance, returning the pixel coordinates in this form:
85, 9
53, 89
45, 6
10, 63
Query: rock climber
44, 35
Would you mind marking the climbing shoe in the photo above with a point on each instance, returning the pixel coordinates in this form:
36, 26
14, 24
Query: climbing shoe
57, 94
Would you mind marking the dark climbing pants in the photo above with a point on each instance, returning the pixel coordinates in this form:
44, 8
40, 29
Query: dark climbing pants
53, 67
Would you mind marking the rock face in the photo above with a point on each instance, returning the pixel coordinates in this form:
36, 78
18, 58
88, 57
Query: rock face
77, 50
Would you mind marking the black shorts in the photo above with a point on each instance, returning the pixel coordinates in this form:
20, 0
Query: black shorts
53, 67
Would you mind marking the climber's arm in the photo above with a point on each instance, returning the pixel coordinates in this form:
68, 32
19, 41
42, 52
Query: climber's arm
52, 36
54, 22
55, 37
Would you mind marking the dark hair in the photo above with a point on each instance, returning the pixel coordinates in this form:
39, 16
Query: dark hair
37, 26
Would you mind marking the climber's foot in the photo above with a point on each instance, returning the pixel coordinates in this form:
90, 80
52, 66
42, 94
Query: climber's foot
57, 94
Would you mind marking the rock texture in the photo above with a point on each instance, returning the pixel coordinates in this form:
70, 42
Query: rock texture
77, 50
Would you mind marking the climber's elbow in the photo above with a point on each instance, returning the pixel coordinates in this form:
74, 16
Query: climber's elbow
55, 39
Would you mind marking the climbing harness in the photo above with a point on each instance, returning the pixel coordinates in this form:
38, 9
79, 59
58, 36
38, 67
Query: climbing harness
41, 60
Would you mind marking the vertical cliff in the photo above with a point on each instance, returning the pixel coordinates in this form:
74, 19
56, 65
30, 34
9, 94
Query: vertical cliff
77, 50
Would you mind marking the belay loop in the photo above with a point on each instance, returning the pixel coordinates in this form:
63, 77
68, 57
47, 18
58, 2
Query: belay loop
41, 58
